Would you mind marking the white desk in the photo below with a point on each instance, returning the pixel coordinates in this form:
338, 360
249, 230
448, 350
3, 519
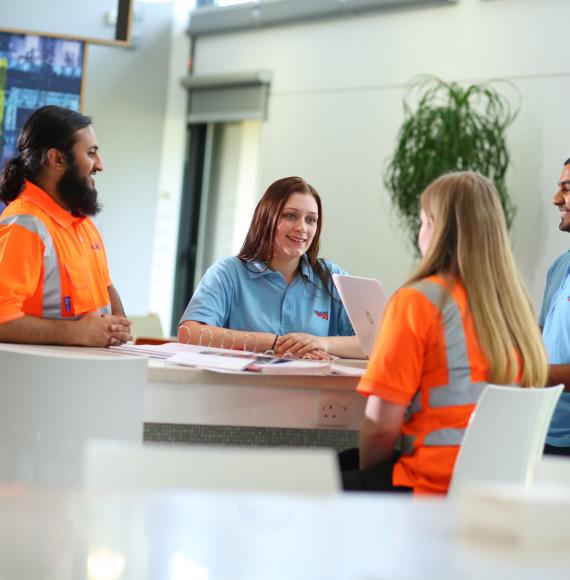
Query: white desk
186, 396
190, 396
205, 536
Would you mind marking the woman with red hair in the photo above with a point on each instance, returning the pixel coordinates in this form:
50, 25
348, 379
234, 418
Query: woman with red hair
276, 294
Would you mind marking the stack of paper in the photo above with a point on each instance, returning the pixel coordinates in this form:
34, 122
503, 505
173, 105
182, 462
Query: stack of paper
281, 366
165, 351
212, 360
234, 361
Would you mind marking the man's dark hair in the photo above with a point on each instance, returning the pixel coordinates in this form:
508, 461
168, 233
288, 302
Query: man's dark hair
47, 127
567, 162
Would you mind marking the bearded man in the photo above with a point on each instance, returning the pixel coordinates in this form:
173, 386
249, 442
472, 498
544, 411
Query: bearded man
55, 286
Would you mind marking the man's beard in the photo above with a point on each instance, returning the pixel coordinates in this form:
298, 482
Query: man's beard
77, 193
564, 225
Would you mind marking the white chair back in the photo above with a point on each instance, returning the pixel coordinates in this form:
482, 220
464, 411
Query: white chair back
553, 470
143, 467
505, 437
53, 400
148, 326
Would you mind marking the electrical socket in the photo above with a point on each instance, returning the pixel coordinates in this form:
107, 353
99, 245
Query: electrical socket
333, 409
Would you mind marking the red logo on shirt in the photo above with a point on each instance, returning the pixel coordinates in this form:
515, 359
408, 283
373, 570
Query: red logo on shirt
95, 246
322, 314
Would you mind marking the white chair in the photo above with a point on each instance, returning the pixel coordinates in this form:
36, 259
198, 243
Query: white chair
505, 437
143, 467
53, 400
553, 470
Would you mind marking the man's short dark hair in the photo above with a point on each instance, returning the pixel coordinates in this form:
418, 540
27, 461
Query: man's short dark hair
567, 162
46, 128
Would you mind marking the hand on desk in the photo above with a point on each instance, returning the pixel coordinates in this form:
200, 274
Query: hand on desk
104, 330
303, 345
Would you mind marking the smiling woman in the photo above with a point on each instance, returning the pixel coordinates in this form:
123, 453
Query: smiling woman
276, 294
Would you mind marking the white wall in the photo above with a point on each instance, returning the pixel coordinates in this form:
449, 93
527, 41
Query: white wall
126, 94
336, 106
334, 113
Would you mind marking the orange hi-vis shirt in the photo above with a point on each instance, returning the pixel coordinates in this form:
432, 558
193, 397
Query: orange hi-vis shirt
52, 265
427, 357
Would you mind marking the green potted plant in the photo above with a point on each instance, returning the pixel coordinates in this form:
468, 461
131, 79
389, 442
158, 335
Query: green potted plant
452, 128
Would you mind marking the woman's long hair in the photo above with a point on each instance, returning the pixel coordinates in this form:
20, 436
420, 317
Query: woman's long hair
470, 242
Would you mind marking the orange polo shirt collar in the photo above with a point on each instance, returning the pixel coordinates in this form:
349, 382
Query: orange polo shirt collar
39, 197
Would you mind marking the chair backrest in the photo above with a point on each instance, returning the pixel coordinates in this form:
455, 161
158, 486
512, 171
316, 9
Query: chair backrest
505, 437
553, 470
261, 469
148, 326
53, 400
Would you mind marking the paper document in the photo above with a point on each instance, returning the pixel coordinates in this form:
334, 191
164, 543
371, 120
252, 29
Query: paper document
164, 351
282, 366
227, 360
237, 361
209, 360
339, 369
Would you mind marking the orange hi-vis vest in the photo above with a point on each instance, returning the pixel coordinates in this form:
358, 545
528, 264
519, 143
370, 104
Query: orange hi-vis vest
52, 265
427, 357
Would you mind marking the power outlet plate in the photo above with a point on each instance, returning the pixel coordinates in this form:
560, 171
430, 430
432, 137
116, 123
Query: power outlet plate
333, 409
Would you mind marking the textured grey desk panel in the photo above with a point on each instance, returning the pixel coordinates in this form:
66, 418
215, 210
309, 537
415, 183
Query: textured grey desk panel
338, 439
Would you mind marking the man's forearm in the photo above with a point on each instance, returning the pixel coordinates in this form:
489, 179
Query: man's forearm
116, 303
559, 374
90, 330
33, 330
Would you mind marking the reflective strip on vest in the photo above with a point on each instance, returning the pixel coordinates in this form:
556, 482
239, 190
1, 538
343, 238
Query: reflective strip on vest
51, 300
444, 437
460, 390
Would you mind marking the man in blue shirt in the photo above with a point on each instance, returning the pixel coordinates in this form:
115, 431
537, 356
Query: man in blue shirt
555, 322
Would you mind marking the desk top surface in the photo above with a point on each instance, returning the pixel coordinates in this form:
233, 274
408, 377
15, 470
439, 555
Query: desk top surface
200, 536
160, 372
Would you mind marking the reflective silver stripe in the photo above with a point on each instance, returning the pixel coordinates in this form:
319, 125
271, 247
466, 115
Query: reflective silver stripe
407, 442
52, 275
439, 438
444, 437
460, 390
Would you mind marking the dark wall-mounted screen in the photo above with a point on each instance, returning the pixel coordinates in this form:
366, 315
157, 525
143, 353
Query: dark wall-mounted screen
36, 71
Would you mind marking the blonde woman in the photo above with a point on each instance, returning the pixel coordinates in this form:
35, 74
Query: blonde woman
462, 320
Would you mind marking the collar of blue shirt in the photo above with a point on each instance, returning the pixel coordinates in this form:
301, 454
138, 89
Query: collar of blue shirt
258, 269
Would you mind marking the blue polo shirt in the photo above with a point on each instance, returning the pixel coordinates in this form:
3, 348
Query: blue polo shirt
555, 320
251, 297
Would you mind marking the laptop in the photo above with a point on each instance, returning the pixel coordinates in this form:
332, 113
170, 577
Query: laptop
364, 300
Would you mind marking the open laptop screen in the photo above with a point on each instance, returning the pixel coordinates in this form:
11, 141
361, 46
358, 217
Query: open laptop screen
364, 300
